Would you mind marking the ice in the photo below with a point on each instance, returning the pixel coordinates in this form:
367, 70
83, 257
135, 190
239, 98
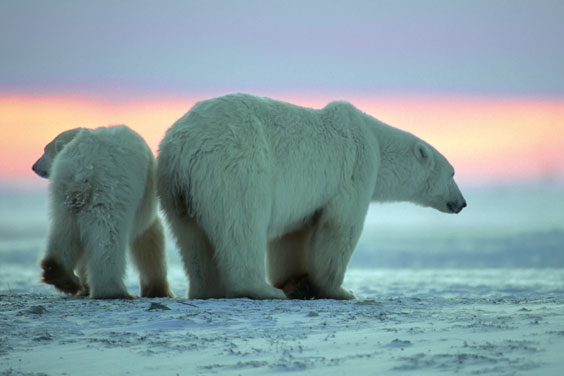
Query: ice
499, 321
481, 292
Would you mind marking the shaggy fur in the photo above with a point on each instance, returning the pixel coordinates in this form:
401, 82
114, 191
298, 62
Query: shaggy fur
247, 181
102, 201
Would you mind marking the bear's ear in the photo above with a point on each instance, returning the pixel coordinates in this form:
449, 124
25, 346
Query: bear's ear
423, 154
60, 144
64, 138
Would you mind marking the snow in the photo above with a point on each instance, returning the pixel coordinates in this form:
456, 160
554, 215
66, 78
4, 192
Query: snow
420, 313
500, 322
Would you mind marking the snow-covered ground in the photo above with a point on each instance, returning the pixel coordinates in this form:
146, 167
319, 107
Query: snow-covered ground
477, 293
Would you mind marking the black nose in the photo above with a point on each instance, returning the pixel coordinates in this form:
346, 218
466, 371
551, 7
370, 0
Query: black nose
39, 171
455, 206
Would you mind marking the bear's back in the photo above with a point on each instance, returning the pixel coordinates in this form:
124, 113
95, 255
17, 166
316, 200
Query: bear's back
114, 161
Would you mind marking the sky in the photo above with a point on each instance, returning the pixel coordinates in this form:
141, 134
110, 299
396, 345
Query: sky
483, 81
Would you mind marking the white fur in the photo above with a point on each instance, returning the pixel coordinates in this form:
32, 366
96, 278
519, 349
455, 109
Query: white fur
103, 201
239, 174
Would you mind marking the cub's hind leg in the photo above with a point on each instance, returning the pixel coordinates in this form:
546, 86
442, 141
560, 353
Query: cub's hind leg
105, 239
149, 257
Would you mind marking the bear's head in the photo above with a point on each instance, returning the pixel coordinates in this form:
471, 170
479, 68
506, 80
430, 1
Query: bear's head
435, 184
43, 165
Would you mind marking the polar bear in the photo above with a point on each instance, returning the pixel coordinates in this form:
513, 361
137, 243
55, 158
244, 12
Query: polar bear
258, 189
102, 200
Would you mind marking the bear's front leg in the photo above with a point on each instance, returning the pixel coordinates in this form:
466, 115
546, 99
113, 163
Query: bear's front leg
205, 281
333, 242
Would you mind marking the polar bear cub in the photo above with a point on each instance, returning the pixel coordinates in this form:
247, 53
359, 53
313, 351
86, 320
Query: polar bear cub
102, 201
256, 189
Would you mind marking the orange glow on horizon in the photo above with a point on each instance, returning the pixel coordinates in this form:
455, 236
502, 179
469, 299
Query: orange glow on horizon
29, 123
485, 139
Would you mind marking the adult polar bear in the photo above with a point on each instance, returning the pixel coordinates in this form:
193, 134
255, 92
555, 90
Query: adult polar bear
102, 200
238, 175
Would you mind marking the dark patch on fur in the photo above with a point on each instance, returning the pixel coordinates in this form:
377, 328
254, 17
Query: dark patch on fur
182, 205
299, 287
160, 290
75, 200
54, 274
316, 216
84, 290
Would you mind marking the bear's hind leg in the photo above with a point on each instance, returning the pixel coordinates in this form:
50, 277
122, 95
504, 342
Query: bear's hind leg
241, 258
148, 256
204, 279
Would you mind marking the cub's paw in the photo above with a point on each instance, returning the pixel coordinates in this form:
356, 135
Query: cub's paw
55, 274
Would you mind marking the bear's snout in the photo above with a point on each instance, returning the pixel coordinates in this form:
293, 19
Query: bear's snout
456, 206
39, 170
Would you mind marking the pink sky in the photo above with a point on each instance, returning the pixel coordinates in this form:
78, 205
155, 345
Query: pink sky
482, 81
486, 139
